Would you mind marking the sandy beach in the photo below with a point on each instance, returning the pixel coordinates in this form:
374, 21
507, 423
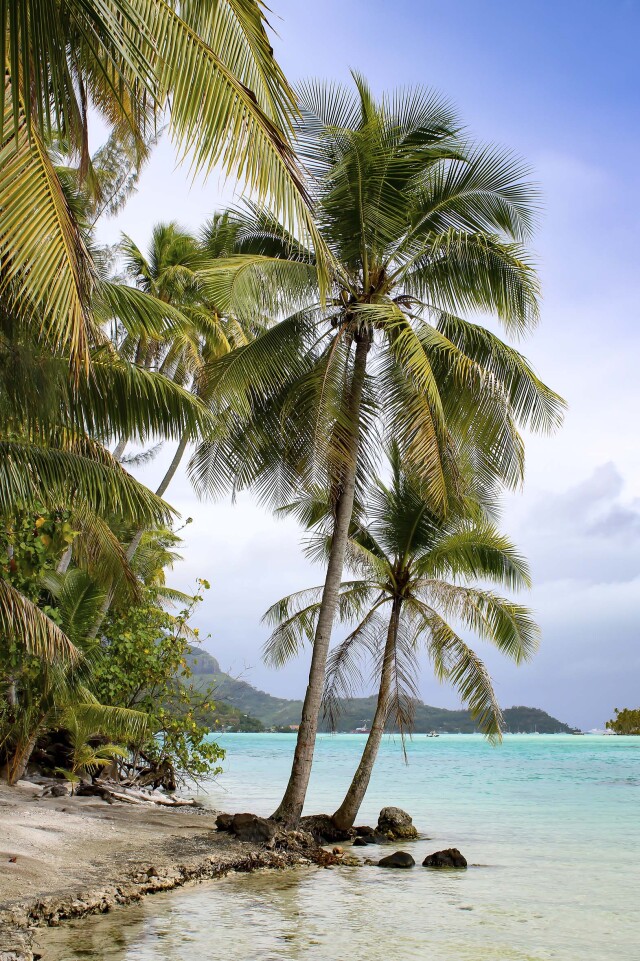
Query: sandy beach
68, 857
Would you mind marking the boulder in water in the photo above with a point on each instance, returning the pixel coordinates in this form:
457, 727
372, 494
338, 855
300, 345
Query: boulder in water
324, 830
250, 827
399, 859
449, 858
396, 823
361, 843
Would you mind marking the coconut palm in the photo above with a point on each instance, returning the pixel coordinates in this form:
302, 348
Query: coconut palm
418, 575
423, 227
127, 60
170, 273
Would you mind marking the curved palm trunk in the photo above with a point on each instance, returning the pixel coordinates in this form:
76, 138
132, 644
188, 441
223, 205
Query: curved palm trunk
137, 537
18, 763
347, 813
164, 483
290, 808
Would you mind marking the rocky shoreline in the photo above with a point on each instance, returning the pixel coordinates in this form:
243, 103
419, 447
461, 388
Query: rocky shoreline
20, 921
64, 859
72, 857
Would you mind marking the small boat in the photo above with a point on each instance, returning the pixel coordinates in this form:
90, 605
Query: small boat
365, 729
433, 734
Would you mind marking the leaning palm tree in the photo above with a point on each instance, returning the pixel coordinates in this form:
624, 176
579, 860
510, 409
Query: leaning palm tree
127, 61
424, 228
418, 575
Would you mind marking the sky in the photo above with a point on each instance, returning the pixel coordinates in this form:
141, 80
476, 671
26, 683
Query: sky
558, 82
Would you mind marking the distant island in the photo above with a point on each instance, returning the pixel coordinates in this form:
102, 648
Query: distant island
241, 707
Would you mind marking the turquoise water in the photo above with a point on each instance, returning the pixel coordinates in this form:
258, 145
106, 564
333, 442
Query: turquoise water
549, 824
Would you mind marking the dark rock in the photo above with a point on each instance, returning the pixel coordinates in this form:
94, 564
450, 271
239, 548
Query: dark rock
323, 829
58, 790
250, 827
396, 823
223, 822
399, 859
364, 831
450, 858
379, 838
361, 843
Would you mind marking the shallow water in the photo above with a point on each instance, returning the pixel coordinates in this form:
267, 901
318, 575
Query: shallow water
549, 824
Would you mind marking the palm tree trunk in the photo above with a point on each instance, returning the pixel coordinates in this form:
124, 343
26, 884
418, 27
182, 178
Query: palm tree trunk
120, 448
65, 560
164, 483
18, 764
137, 537
347, 813
290, 808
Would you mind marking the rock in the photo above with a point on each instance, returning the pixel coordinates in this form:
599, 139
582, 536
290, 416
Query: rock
399, 859
361, 843
450, 858
29, 788
250, 827
350, 861
57, 790
364, 831
296, 842
223, 822
323, 829
396, 823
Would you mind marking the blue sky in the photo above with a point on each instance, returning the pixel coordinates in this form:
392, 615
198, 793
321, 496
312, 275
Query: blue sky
559, 84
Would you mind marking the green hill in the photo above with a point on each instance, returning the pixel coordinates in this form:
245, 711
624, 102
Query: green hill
279, 712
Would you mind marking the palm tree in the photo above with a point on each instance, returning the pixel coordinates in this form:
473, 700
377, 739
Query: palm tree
127, 60
170, 272
417, 572
423, 227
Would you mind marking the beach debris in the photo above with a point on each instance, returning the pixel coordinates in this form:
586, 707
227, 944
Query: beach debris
337, 850
399, 859
111, 791
396, 824
60, 789
449, 858
29, 787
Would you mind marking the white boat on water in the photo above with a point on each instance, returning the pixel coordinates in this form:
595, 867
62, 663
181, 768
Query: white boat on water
365, 729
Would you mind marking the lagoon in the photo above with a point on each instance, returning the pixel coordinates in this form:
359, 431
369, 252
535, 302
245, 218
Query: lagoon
549, 824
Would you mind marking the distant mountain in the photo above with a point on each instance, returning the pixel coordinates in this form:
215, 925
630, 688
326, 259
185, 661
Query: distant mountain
280, 712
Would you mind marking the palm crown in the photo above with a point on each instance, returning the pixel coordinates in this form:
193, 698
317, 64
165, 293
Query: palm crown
422, 227
429, 572
420, 580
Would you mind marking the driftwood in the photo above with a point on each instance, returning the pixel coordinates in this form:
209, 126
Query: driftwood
117, 791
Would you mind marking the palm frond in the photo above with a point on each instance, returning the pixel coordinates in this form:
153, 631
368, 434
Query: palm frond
25, 623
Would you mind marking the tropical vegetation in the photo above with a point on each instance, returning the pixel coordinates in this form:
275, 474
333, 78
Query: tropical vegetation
626, 721
281, 348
